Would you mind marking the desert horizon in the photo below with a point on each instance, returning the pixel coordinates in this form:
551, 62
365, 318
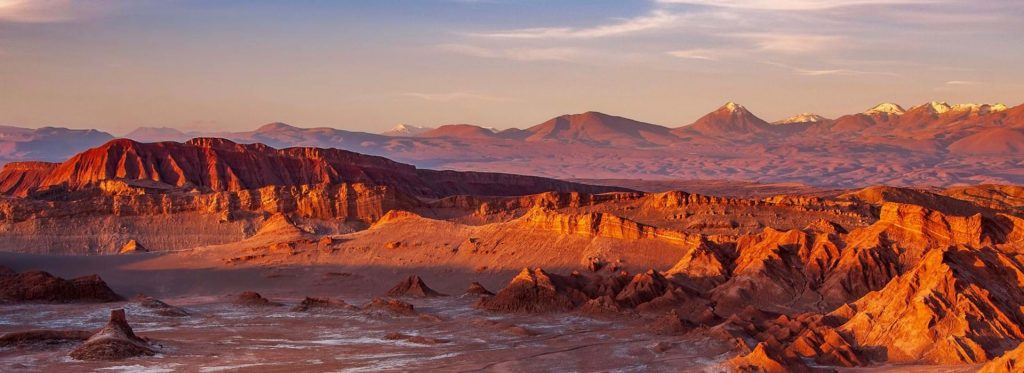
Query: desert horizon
442, 194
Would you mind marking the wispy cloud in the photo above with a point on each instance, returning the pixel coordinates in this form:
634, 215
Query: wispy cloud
451, 96
792, 43
762, 43
516, 54
962, 82
826, 72
700, 54
656, 19
794, 4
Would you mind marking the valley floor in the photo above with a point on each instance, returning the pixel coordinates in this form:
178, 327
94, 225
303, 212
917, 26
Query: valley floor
221, 336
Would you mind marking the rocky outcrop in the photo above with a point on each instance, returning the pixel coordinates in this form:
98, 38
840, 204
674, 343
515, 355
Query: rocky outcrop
534, 290
413, 286
116, 341
763, 359
390, 307
643, 288
958, 305
476, 288
254, 299
39, 286
311, 304
42, 339
1009, 362
596, 224
18, 178
213, 164
702, 267
159, 307
132, 247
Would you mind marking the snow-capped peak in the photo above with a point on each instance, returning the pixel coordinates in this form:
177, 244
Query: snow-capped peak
936, 107
995, 108
979, 108
802, 118
405, 130
886, 108
733, 107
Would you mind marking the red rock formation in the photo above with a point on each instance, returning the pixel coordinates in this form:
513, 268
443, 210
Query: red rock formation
159, 307
413, 286
33, 339
956, 305
132, 247
776, 270
476, 288
211, 164
254, 299
765, 359
39, 286
1010, 362
701, 268
535, 291
596, 225
115, 341
643, 288
18, 178
392, 307
322, 304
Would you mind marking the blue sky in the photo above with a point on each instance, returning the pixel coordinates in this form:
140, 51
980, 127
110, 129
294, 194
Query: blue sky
368, 65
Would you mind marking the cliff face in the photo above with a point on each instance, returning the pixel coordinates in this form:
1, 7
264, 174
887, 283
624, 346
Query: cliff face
17, 178
595, 225
358, 202
215, 165
955, 306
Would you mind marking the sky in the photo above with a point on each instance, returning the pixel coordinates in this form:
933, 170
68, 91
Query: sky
368, 65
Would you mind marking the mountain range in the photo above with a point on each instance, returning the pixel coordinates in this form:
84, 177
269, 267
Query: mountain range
934, 144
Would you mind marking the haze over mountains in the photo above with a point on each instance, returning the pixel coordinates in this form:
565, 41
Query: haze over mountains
931, 144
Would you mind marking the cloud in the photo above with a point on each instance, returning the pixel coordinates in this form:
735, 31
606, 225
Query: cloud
962, 82
792, 43
516, 54
784, 44
793, 5
656, 19
451, 96
707, 54
826, 72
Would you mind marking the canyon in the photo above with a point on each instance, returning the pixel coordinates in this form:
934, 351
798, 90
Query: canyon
783, 277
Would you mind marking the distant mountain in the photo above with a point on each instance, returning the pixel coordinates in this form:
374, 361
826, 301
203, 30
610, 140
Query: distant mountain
931, 144
601, 129
990, 141
46, 143
803, 118
156, 134
280, 135
405, 130
731, 121
460, 131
